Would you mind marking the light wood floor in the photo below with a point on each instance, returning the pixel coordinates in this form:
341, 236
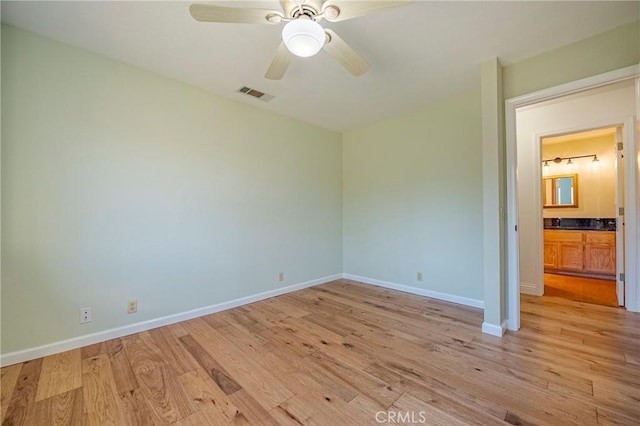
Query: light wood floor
580, 289
339, 353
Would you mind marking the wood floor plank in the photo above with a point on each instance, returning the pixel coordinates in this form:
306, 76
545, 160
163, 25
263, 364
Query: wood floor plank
283, 417
245, 371
250, 410
623, 374
60, 373
264, 314
62, 409
366, 384
460, 324
8, 379
164, 395
176, 329
136, 409
21, 409
245, 318
435, 387
330, 322
101, 401
173, 351
316, 302
142, 352
286, 339
122, 372
632, 358
611, 417
367, 405
475, 410
339, 353
198, 418
496, 386
242, 337
207, 397
411, 410
93, 350
330, 382
380, 302
291, 309
213, 321
313, 407
217, 373
610, 394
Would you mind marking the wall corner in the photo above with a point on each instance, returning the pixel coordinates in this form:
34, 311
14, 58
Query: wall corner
493, 193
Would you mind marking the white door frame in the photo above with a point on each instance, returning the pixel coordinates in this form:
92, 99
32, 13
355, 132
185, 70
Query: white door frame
620, 228
513, 258
538, 216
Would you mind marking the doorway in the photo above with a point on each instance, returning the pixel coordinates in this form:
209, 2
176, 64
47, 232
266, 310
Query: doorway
523, 176
582, 187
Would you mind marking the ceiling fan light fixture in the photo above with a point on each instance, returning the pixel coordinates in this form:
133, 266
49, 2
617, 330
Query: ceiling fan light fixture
303, 37
331, 12
273, 18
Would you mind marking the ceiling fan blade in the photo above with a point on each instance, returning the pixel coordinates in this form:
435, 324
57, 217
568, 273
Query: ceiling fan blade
348, 9
288, 7
210, 13
281, 61
344, 54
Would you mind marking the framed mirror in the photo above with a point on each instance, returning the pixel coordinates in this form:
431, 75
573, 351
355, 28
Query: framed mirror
560, 191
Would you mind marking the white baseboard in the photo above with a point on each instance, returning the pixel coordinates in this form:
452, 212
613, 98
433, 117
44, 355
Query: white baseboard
90, 339
101, 336
493, 329
512, 325
528, 288
419, 291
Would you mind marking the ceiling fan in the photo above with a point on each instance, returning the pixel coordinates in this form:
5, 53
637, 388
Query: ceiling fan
302, 35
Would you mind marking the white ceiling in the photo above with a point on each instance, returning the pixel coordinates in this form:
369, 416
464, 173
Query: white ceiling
419, 54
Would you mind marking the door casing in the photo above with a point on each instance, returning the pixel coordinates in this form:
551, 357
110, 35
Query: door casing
632, 269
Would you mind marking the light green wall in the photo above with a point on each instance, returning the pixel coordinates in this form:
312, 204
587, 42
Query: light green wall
412, 196
604, 52
120, 184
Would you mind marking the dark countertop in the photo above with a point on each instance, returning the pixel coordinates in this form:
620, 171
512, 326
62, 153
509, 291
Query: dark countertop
566, 228
581, 224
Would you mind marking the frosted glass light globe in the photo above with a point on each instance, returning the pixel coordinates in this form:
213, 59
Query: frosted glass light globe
303, 37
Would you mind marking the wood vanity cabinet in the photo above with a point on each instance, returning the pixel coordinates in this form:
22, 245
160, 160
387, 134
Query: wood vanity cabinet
587, 253
600, 252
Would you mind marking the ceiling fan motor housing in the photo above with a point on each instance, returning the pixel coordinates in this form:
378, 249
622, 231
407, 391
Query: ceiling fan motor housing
304, 12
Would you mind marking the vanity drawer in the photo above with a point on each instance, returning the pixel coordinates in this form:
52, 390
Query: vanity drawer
601, 237
563, 235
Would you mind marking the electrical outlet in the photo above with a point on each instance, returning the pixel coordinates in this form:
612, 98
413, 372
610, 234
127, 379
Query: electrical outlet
419, 276
132, 306
85, 315
281, 276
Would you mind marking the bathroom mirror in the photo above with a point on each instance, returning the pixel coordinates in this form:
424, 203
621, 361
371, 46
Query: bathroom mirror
560, 191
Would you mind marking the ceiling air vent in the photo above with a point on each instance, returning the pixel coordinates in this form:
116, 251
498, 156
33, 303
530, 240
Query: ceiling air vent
255, 93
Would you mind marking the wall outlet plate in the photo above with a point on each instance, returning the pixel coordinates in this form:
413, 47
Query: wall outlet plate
419, 276
281, 276
85, 315
132, 306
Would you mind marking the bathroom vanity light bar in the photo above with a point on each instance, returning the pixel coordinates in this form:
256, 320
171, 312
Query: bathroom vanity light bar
559, 160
